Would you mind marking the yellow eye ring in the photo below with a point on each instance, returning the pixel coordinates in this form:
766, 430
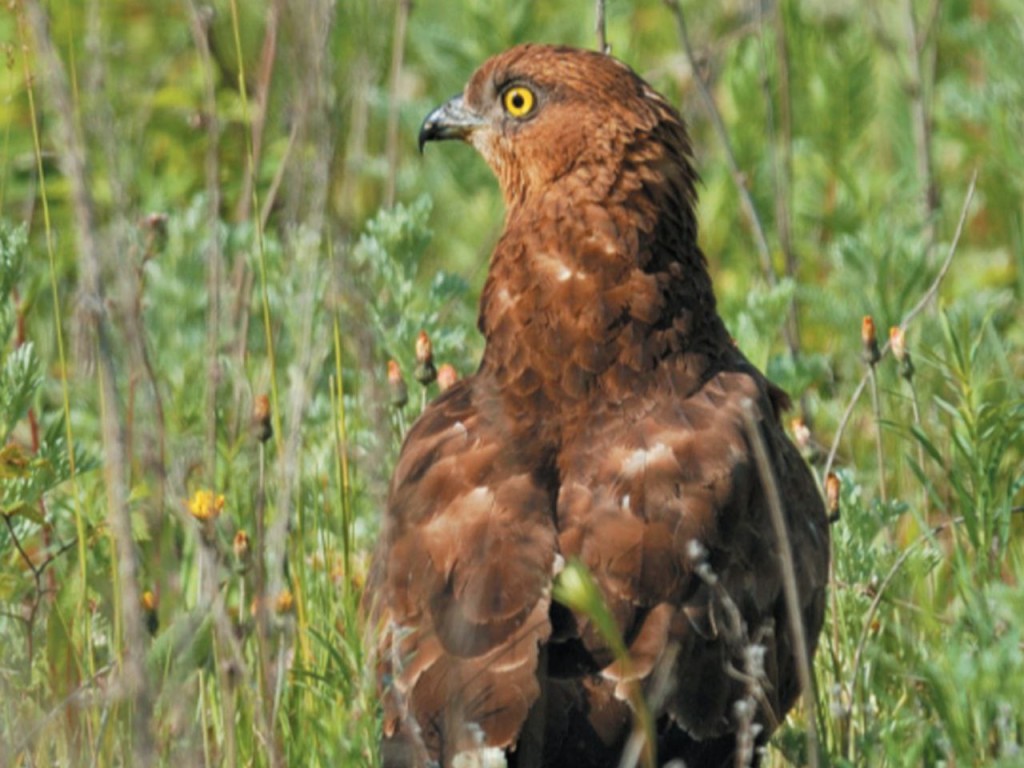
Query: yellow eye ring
518, 101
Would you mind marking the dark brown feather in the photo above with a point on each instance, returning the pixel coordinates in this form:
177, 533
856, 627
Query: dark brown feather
606, 423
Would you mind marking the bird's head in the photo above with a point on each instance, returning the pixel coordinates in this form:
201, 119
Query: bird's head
541, 113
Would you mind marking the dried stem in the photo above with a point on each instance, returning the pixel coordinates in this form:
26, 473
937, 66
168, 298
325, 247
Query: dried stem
789, 585
260, 97
402, 11
916, 409
263, 667
917, 90
876, 407
600, 28
905, 323
739, 178
70, 147
38, 572
214, 257
781, 132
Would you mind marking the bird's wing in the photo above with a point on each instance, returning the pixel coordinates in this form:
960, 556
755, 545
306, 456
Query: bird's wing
462, 580
661, 500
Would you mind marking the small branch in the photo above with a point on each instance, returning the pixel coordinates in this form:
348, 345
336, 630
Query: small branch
275, 183
789, 585
876, 407
402, 11
37, 572
922, 128
214, 258
21, 551
746, 201
600, 28
261, 97
907, 319
782, 153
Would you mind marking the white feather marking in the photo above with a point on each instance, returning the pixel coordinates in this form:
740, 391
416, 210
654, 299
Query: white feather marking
484, 757
638, 460
460, 429
558, 565
481, 494
554, 265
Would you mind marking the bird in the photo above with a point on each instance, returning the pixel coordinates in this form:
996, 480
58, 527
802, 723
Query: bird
605, 431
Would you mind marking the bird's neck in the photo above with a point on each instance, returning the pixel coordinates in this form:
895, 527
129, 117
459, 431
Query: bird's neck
595, 287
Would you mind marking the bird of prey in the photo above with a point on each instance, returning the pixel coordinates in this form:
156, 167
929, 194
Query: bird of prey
605, 425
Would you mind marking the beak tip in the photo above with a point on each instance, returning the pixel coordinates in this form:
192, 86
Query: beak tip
425, 135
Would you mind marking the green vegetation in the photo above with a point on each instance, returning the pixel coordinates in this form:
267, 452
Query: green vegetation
217, 232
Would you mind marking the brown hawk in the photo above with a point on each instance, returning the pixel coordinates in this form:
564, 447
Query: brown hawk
606, 424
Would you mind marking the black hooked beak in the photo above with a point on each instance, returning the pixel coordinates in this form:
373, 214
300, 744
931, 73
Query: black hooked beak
452, 120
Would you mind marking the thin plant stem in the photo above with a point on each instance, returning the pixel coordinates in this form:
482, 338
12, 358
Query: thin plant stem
214, 257
746, 200
917, 89
202, 718
402, 10
915, 407
341, 436
789, 585
260, 240
780, 132
600, 27
876, 407
905, 323
264, 73
264, 697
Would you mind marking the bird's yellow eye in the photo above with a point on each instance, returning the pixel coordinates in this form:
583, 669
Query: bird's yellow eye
518, 101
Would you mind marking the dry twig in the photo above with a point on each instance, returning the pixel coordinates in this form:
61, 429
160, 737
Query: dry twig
789, 585
601, 28
746, 200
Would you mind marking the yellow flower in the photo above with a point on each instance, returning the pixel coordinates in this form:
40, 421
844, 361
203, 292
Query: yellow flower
206, 505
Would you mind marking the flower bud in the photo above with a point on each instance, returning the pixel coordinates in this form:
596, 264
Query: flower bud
284, 602
425, 371
149, 606
870, 340
898, 343
241, 546
397, 391
261, 418
446, 377
801, 434
832, 496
